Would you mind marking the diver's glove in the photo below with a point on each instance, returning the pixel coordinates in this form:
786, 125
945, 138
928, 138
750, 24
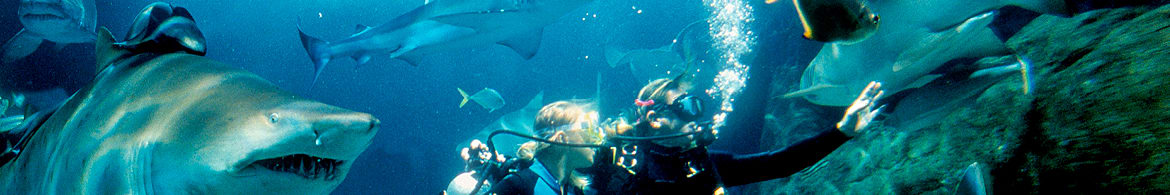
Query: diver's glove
859, 114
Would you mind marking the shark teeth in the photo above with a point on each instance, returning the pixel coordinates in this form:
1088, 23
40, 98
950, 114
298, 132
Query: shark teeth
306, 166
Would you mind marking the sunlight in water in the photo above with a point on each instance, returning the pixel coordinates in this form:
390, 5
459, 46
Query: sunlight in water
733, 39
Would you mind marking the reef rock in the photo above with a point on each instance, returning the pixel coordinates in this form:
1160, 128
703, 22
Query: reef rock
1092, 123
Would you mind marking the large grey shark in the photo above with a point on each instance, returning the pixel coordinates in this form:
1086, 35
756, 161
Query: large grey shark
916, 37
59, 21
441, 25
159, 118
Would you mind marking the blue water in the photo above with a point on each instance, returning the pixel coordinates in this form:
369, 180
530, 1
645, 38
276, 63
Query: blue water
414, 152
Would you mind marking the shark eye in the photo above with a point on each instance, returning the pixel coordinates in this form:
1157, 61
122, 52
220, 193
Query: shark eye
273, 118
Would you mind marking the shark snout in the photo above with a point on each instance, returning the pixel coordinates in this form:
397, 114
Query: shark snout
354, 127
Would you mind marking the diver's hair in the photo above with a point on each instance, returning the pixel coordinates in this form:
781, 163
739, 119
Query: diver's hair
548, 119
559, 113
657, 90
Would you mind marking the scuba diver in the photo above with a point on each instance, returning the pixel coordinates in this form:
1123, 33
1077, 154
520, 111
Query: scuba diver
663, 152
554, 167
565, 129
683, 164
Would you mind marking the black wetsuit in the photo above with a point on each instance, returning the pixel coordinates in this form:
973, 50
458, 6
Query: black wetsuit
529, 182
661, 171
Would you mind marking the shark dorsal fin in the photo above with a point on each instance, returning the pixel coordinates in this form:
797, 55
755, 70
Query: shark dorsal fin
536, 103
107, 52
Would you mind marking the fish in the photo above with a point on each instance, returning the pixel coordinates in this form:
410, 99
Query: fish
520, 121
839, 21
687, 46
60, 21
916, 38
974, 181
487, 97
443, 25
159, 118
10, 122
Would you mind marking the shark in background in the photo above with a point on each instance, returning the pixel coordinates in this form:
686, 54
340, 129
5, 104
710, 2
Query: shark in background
687, 48
915, 39
161, 118
59, 21
442, 25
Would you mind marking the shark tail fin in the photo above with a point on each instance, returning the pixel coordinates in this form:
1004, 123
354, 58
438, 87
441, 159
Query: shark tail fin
318, 51
464, 94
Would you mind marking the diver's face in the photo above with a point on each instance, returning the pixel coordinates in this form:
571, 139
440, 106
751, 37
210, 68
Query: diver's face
666, 122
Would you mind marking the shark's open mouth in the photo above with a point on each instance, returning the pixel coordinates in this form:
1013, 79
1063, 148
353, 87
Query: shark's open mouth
306, 166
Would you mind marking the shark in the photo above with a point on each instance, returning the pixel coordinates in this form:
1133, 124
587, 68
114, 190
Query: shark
519, 121
442, 25
916, 38
161, 118
59, 21
686, 48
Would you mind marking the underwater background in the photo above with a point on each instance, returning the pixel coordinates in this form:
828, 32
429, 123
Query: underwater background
422, 124
1093, 122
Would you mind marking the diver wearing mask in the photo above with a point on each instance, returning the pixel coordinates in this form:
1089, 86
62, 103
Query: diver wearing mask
663, 152
553, 168
672, 158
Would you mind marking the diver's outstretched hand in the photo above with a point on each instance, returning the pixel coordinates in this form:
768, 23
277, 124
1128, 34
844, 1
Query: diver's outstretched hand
861, 112
477, 154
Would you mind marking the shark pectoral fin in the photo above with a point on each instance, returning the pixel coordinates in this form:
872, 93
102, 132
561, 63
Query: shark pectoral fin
412, 59
615, 56
361, 58
361, 28
526, 45
21, 45
808, 91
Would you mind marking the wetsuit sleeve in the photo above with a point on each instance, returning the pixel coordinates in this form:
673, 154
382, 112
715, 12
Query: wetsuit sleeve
509, 185
515, 184
750, 168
